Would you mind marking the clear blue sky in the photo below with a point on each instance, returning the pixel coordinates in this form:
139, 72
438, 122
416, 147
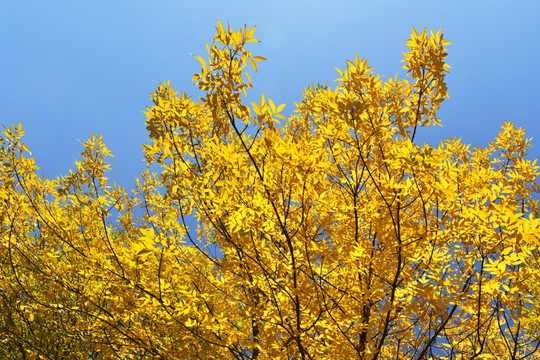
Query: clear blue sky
71, 67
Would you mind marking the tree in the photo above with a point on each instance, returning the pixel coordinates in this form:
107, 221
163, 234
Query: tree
330, 234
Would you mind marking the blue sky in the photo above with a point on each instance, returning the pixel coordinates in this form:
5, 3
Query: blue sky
74, 67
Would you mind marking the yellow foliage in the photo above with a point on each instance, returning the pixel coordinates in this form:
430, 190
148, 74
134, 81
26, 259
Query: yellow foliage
330, 234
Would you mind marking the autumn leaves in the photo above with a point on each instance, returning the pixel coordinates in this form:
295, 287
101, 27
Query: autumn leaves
330, 234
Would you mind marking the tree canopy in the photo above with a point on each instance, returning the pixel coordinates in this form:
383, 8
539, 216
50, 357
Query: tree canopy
328, 234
